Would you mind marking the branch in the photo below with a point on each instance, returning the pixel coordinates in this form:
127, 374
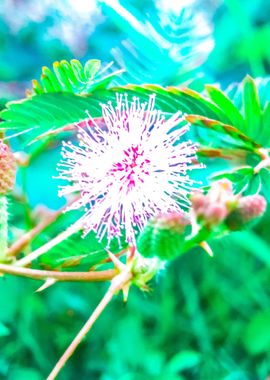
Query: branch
37, 274
118, 283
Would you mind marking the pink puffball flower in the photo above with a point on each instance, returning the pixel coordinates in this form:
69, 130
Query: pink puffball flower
128, 169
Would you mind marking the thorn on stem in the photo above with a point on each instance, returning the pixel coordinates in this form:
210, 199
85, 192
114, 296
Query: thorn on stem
49, 282
206, 247
117, 263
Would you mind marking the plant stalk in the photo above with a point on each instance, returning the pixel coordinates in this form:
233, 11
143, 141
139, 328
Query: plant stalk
36, 274
117, 284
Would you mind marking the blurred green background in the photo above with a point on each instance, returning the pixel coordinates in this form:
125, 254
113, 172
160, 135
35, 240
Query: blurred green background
204, 318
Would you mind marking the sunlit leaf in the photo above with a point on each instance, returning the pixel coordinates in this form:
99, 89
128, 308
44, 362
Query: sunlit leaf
252, 107
72, 77
223, 102
227, 130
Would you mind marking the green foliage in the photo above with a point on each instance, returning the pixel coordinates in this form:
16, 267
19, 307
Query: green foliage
218, 114
193, 306
246, 110
46, 112
73, 77
75, 252
257, 335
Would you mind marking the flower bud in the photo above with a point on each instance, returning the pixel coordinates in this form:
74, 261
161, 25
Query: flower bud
163, 236
7, 169
198, 201
215, 213
248, 209
212, 208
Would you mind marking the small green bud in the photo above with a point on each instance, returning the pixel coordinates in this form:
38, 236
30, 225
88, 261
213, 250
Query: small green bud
163, 236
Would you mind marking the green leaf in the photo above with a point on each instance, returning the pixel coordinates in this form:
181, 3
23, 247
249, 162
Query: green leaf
72, 77
226, 130
265, 135
252, 107
247, 107
253, 185
222, 101
198, 103
91, 68
78, 70
47, 112
265, 178
76, 250
24, 373
240, 177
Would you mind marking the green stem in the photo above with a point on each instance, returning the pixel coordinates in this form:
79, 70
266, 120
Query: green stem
202, 235
3, 227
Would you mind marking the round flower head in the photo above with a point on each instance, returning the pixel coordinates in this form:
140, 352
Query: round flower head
129, 168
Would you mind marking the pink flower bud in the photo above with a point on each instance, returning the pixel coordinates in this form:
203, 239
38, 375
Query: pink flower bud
198, 201
248, 209
251, 207
174, 221
215, 213
7, 169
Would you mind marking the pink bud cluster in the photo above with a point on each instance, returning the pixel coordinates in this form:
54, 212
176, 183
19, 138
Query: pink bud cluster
220, 205
7, 169
215, 206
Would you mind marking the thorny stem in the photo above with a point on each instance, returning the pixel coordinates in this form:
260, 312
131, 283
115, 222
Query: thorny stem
117, 284
108, 259
37, 274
